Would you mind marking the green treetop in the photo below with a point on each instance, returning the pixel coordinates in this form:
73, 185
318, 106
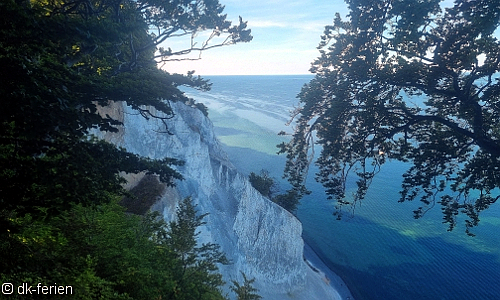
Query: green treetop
61, 61
245, 291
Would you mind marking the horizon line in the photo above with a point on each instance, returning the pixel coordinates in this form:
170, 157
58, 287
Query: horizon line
298, 74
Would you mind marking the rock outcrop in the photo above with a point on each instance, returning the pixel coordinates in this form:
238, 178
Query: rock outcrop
259, 237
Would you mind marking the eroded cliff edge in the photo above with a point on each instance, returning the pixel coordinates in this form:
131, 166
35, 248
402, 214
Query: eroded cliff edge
259, 237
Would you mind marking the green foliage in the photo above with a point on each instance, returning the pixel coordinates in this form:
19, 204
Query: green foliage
62, 62
263, 183
268, 187
245, 291
409, 81
195, 272
289, 200
106, 254
84, 247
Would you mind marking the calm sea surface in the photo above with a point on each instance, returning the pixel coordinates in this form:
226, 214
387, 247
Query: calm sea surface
380, 251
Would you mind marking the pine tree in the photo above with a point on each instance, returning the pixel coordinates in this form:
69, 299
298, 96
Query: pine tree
245, 291
196, 271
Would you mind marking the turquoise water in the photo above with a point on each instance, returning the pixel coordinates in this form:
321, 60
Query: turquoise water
380, 251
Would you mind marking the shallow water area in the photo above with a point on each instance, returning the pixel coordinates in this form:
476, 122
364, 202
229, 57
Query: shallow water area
380, 251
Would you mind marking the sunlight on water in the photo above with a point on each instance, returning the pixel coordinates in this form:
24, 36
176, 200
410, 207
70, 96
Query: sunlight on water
244, 133
409, 233
248, 141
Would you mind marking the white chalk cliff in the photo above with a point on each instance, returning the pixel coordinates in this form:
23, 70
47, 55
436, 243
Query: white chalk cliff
258, 237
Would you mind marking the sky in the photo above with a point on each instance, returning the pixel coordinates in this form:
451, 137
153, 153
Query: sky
285, 36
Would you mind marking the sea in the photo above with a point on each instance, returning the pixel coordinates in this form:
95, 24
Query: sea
378, 249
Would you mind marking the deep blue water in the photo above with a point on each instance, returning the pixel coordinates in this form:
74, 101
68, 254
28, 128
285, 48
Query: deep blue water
380, 251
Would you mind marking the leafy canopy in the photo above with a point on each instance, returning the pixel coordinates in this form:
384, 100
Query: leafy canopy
65, 60
64, 63
410, 81
103, 253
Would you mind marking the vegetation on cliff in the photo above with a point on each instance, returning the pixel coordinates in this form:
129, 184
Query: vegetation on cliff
268, 187
60, 223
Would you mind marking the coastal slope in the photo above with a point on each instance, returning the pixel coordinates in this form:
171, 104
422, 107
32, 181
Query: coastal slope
259, 238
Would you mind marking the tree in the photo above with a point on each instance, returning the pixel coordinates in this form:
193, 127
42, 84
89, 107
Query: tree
263, 183
103, 253
62, 60
196, 271
245, 291
289, 200
268, 187
409, 81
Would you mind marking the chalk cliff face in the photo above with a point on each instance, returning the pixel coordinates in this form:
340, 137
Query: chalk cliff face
259, 237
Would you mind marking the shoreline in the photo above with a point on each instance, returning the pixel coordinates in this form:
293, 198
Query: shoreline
312, 259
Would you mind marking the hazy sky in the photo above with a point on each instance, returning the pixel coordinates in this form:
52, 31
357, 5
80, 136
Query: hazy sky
285, 36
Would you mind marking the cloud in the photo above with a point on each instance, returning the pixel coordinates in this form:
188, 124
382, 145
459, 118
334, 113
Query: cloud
266, 24
296, 25
286, 34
